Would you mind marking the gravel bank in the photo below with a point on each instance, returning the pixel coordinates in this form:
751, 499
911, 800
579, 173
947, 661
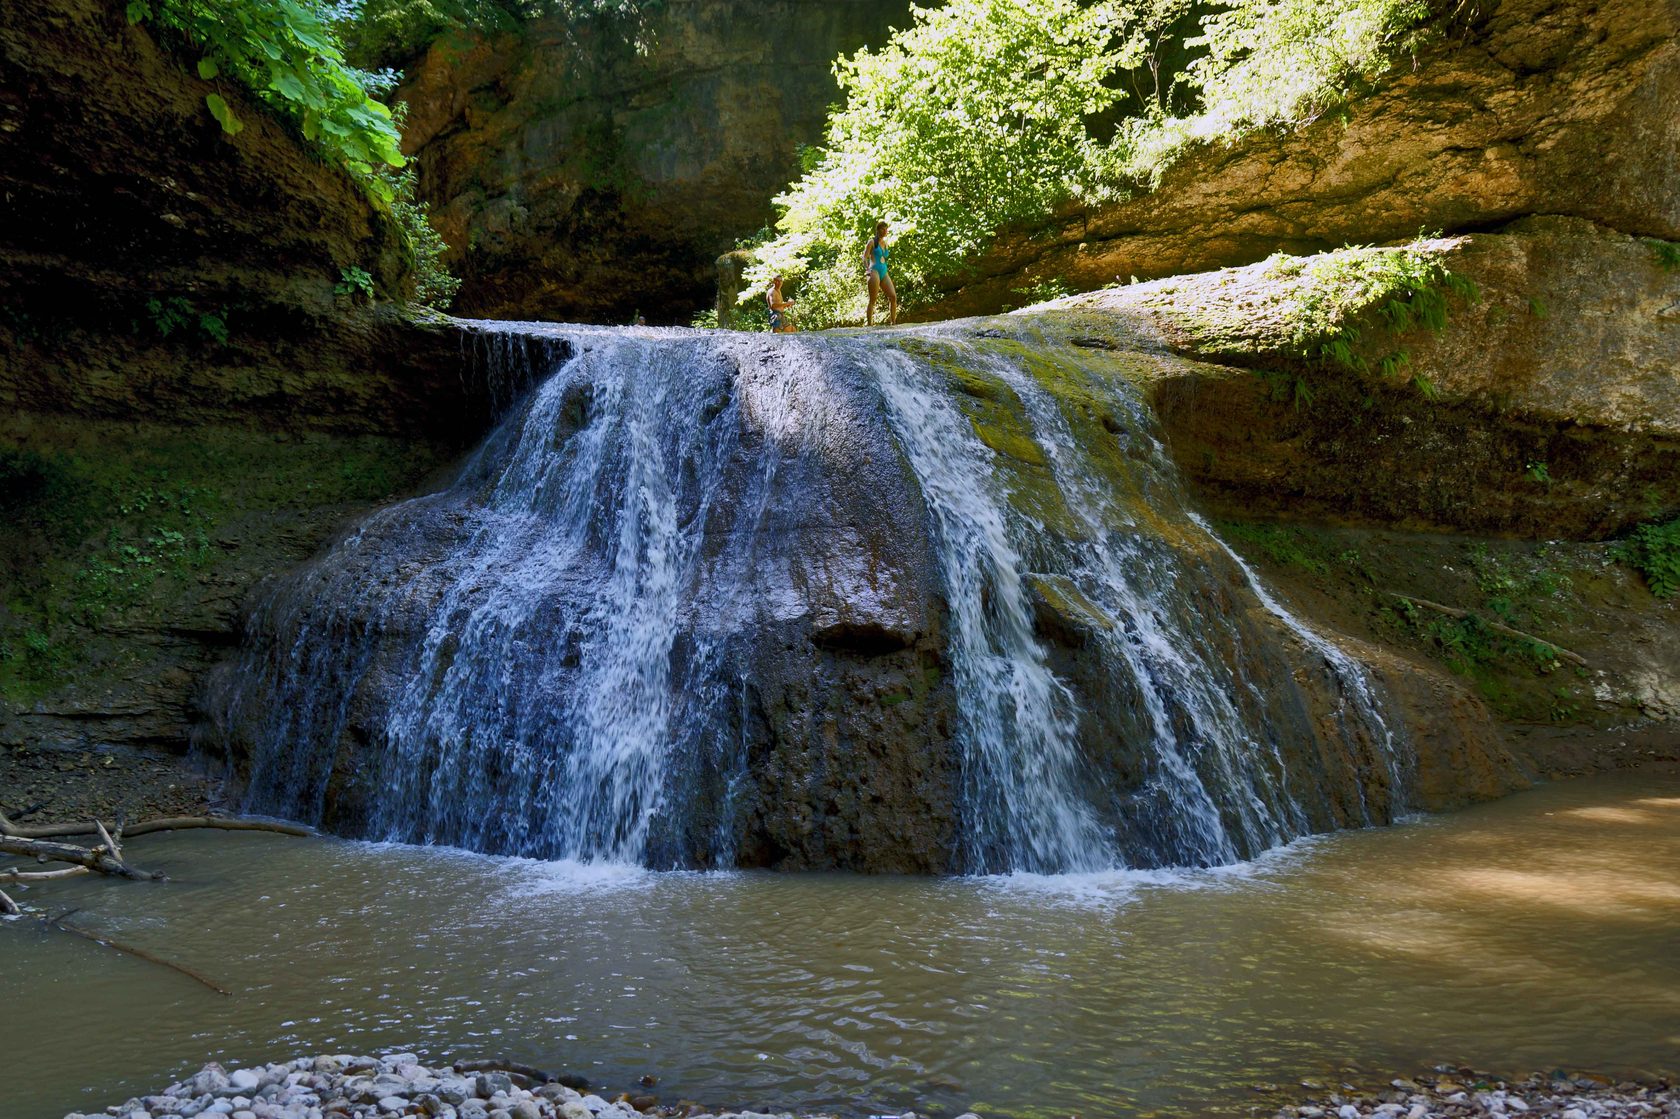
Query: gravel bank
394, 1086
1466, 1095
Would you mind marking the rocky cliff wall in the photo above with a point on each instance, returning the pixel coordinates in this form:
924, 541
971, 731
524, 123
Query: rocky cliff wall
185, 404
586, 169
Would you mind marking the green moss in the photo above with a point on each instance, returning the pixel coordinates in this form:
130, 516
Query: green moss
1666, 252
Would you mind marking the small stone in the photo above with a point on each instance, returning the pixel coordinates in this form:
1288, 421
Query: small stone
1574, 1113
575, 1109
393, 1103
244, 1080
489, 1083
1516, 1103
1347, 1111
525, 1109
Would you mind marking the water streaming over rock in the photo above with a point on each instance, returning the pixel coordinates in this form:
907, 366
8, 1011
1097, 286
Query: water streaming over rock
924, 602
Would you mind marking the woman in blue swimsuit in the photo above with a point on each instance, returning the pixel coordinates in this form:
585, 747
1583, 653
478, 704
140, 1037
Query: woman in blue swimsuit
875, 267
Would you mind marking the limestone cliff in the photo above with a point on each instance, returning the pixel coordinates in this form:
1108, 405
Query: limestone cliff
587, 168
1537, 107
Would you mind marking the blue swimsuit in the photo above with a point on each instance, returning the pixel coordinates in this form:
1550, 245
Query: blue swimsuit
878, 261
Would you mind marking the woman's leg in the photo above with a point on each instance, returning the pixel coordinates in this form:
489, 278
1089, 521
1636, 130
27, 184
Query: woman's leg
892, 301
874, 290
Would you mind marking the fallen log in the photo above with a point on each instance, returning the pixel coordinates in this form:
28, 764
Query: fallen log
1496, 627
8, 906
515, 1069
137, 953
94, 858
167, 823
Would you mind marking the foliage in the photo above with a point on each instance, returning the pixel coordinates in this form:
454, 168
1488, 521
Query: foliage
970, 118
175, 315
353, 281
394, 32
1275, 63
288, 53
1345, 293
285, 52
1043, 291
984, 113
434, 285
1654, 551
124, 527
1666, 252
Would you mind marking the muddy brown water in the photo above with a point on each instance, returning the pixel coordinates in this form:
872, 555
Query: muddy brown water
1538, 932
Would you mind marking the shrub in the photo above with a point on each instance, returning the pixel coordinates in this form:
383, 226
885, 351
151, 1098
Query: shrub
1654, 551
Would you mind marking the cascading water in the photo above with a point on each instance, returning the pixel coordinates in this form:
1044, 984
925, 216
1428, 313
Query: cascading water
897, 602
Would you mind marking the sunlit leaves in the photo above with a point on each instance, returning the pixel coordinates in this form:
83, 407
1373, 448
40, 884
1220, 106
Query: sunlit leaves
978, 115
285, 53
224, 115
972, 117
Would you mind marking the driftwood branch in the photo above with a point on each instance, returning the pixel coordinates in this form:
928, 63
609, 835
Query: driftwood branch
8, 906
95, 858
137, 953
17, 875
169, 823
1496, 627
513, 1068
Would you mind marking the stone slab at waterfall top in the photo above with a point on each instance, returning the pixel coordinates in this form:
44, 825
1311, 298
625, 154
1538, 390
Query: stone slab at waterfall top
1548, 405
1534, 107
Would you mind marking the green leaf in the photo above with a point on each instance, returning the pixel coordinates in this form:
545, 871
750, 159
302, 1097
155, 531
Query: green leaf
286, 84
224, 115
138, 10
207, 68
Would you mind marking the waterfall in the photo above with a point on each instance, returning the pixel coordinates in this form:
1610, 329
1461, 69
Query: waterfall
930, 600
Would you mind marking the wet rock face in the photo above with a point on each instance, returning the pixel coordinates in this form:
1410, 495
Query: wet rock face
767, 626
590, 168
1536, 108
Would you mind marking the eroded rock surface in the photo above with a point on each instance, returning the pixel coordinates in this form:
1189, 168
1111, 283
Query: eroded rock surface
1549, 405
1538, 107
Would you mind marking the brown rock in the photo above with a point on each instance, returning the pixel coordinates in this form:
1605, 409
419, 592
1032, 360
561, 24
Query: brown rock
1537, 108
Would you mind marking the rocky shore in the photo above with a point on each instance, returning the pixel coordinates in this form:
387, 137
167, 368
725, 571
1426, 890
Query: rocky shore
397, 1085
1464, 1094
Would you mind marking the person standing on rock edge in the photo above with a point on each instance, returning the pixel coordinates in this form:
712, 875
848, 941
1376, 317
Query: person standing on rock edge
779, 323
875, 267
